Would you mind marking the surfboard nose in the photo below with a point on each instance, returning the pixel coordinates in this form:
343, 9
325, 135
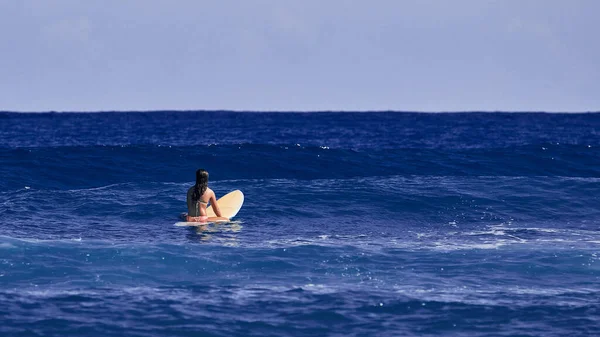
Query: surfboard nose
229, 204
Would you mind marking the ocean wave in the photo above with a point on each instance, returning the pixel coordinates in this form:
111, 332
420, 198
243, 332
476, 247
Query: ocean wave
87, 167
173, 311
424, 207
365, 223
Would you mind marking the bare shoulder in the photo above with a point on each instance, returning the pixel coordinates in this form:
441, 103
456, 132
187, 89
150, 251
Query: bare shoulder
210, 192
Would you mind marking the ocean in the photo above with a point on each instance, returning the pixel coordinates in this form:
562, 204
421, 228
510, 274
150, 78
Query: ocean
354, 224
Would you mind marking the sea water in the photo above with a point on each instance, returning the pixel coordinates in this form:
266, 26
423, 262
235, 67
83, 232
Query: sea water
354, 224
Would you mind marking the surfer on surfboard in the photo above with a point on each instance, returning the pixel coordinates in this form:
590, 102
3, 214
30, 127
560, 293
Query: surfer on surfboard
198, 198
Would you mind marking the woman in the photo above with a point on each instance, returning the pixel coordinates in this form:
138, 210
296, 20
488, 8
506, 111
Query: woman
198, 197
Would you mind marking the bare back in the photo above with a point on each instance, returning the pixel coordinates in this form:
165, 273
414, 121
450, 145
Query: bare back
199, 209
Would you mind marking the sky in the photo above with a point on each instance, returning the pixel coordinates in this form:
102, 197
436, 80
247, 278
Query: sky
284, 55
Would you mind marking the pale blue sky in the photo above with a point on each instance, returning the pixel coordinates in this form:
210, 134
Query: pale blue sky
410, 55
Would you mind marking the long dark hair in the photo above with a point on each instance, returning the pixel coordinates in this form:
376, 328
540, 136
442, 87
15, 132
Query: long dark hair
201, 185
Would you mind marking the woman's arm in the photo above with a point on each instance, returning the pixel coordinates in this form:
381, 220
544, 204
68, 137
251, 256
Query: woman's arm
215, 205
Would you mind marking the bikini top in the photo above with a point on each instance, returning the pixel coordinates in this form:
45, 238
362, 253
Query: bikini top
194, 209
200, 202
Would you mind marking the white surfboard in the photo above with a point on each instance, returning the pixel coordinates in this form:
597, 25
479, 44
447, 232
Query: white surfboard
229, 204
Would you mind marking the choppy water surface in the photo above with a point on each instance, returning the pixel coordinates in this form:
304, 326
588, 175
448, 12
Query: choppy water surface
355, 224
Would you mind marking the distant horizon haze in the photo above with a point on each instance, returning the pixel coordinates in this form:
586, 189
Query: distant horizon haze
309, 56
297, 111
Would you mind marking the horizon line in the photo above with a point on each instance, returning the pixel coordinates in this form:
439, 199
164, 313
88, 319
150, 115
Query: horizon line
296, 111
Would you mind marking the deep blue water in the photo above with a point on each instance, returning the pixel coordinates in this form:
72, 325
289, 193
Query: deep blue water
355, 224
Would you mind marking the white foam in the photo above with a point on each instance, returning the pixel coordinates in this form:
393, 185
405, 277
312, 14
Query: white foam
492, 295
450, 246
6, 245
